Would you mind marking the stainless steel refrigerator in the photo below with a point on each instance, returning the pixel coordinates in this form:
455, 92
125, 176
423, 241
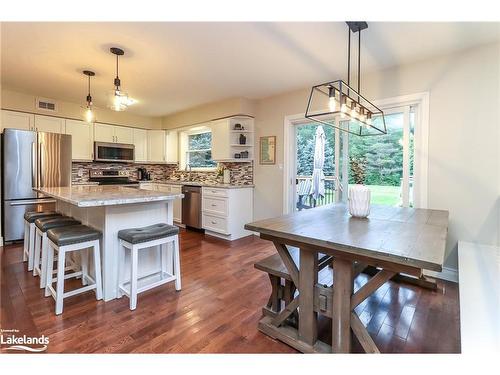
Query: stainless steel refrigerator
30, 160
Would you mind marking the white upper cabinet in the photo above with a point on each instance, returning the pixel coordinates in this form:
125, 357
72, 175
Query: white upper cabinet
49, 124
104, 133
157, 146
172, 143
233, 139
124, 134
82, 139
113, 134
17, 120
140, 137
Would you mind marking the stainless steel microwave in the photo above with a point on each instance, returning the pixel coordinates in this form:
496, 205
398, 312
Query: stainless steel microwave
113, 152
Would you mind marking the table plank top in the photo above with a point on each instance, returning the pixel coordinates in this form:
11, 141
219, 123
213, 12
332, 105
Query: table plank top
408, 236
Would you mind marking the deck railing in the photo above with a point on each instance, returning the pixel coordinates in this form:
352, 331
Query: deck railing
307, 201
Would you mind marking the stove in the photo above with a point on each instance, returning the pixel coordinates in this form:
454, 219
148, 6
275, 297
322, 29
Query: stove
111, 177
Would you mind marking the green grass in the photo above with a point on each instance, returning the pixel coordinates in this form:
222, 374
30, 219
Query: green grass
386, 195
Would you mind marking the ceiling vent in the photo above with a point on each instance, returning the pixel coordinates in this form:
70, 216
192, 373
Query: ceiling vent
45, 104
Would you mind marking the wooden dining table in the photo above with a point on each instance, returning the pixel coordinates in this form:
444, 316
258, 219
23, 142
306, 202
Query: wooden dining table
392, 242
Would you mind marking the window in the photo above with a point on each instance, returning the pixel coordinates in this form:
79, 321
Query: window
199, 151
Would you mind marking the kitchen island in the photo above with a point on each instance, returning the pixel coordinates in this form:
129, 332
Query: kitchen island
109, 209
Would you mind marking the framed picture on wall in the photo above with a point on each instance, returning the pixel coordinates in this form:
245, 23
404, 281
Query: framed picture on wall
268, 150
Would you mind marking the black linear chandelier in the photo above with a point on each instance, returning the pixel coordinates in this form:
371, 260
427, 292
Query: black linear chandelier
339, 105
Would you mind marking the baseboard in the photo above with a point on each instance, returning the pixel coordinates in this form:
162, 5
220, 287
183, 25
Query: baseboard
448, 274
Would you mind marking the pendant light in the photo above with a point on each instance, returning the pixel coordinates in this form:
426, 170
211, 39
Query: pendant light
337, 104
119, 99
89, 114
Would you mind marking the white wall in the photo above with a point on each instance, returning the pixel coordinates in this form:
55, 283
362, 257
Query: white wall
464, 139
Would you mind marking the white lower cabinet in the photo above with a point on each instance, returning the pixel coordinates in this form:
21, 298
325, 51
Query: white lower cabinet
226, 211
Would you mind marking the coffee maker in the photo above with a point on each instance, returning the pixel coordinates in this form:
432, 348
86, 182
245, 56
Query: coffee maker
142, 174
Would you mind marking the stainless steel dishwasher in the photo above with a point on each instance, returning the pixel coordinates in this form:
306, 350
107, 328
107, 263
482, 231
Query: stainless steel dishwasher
191, 206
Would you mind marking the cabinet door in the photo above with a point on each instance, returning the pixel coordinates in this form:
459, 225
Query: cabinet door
172, 141
156, 146
104, 133
82, 139
17, 120
49, 124
221, 149
124, 135
177, 203
141, 145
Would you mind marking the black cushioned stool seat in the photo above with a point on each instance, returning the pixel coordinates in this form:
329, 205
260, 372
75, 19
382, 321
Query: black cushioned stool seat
69, 235
30, 217
149, 233
46, 223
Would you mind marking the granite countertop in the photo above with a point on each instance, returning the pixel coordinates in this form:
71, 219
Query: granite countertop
197, 183
105, 195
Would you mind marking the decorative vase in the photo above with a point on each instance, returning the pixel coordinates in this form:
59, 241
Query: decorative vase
243, 139
359, 201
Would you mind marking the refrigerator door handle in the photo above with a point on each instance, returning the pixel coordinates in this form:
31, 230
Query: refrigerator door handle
33, 165
38, 201
41, 166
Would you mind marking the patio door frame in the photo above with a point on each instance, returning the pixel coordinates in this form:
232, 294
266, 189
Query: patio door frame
420, 101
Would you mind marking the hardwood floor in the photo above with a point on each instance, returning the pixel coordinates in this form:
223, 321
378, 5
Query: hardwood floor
217, 310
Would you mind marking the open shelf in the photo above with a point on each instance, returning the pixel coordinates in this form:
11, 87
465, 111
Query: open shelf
239, 145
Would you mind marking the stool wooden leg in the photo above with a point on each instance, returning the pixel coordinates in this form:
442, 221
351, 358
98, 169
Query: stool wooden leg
43, 266
60, 280
38, 245
121, 268
164, 259
31, 247
177, 264
133, 278
84, 259
26, 240
97, 269
169, 261
50, 268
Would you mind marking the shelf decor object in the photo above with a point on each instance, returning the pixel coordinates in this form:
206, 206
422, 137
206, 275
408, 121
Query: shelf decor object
268, 150
359, 201
338, 104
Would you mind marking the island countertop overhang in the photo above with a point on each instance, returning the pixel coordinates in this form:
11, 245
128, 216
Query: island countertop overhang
105, 195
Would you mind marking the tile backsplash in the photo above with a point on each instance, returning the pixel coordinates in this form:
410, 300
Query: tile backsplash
241, 173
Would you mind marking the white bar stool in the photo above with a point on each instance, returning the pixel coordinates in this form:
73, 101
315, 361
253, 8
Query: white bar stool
136, 239
29, 234
64, 240
42, 225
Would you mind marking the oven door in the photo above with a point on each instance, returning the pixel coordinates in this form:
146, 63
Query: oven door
113, 152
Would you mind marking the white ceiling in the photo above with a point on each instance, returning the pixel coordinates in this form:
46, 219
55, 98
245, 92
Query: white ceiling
169, 67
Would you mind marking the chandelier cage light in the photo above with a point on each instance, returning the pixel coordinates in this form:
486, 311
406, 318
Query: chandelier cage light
338, 104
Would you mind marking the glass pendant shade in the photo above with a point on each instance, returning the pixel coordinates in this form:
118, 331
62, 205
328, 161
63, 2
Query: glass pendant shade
89, 115
355, 115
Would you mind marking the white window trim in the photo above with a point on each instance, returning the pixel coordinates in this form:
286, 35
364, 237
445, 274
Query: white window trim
421, 158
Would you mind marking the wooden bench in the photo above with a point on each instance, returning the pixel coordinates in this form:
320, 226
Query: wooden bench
283, 291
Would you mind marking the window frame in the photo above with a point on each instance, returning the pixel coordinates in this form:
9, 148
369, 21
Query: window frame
186, 152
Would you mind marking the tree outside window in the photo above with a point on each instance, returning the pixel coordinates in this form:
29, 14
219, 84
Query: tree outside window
199, 153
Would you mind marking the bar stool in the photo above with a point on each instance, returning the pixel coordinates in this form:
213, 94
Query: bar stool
29, 234
42, 225
64, 240
136, 239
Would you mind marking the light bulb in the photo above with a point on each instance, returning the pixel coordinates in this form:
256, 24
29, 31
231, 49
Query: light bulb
343, 108
89, 115
369, 120
354, 114
332, 104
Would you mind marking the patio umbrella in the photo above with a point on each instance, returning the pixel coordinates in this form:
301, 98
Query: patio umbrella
318, 177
